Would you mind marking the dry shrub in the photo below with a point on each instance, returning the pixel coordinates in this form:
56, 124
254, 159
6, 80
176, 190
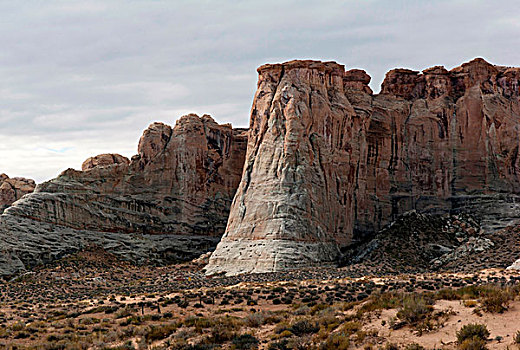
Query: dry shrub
472, 331
496, 300
336, 341
414, 309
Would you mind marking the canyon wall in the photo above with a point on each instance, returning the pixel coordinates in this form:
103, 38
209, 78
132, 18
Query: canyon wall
170, 202
329, 163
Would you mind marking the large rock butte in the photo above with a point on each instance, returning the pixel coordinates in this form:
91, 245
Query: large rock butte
169, 203
12, 189
329, 163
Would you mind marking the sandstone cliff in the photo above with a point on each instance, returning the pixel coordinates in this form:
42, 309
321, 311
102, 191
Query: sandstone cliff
169, 203
329, 163
13, 189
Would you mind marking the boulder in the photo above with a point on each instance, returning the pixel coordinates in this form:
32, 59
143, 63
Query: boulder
12, 189
104, 160
515, 266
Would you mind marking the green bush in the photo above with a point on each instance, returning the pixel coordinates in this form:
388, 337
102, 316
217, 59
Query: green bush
472, 331
492, 298
414, 346
380, 302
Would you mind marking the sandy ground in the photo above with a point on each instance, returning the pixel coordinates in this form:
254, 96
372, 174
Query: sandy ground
59, 299
502, 326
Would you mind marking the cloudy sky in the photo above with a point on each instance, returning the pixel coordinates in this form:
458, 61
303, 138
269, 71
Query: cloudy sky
87, 77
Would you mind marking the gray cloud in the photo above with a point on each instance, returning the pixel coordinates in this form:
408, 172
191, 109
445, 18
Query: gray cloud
81, 78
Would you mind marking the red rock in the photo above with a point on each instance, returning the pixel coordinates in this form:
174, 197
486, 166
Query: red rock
405, 83
328, 163
13, 189
357, 79
154, 141
181, 182
103, 160
179, 186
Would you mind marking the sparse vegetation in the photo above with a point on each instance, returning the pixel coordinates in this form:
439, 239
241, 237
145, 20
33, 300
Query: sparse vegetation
414, 309
336, 341
472, 331
473, 344
516, 338
303, 327
318, 315
160, 332
245, 342
496, 300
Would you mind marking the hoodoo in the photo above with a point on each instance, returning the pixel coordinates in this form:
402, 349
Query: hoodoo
329, 163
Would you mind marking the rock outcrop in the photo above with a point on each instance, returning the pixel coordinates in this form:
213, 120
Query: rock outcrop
169, 203
12, 189
104, 160
515, 265
329, 164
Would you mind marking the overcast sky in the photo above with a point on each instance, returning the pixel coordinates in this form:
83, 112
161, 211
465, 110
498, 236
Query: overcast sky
83, 78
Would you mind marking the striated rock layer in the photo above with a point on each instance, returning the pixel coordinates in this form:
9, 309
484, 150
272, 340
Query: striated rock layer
328, 163
13, 189
169, 203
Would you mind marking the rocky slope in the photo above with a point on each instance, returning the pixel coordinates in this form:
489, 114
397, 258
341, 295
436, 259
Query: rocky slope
329, 163
13, 189
169, 202
417, 243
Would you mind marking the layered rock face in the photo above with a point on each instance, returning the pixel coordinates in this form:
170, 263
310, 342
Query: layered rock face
13, 189
169, 203
329, 163
287, 211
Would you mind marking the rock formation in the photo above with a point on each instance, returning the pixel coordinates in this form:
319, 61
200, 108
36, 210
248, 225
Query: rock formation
13, 189
329, 163
169, 203
103, 160
515, 265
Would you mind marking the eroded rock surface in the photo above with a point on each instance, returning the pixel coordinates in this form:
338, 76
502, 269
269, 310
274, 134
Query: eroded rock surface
12, 189
104, 160
169, 203
515, 265
329, 164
